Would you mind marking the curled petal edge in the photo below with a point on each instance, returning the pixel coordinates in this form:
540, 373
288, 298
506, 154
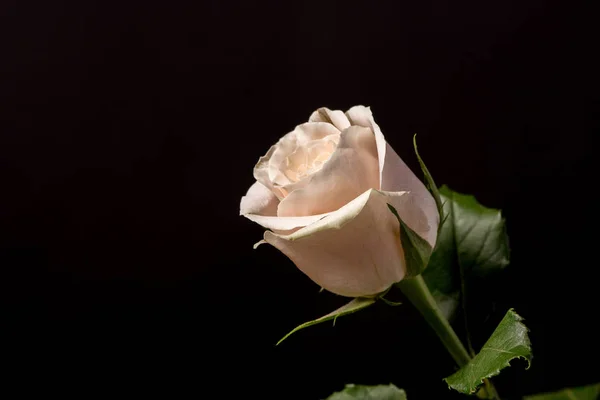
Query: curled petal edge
284, 223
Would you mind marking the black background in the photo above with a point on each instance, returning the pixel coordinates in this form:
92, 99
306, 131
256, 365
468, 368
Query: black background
128, 135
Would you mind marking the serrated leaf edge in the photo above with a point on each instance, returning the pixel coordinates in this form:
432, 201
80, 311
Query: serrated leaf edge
518, 319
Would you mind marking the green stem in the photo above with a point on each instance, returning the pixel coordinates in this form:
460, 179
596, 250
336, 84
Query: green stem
416, 290
491, 390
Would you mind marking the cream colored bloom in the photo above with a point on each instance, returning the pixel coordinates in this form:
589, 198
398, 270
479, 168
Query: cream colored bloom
322, 190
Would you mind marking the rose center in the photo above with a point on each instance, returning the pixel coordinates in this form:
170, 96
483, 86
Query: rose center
308, 159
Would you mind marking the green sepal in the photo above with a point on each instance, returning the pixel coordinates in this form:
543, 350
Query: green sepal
433, 189
416, 249
355, 305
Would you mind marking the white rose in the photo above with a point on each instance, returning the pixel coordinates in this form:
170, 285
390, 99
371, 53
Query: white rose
323, 191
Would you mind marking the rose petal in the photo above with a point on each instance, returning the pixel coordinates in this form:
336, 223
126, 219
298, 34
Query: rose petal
323, 147
310, 131
272, 165
362, 116
394, 174
261, 169
284, 147
259, 200
351, 170
356, 250
266, 170
260, 205
335, 117
398, 177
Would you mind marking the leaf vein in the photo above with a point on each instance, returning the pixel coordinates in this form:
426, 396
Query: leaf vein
498, 350
468, 232
483, 243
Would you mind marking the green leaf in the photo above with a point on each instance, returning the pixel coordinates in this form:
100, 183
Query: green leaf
509, 341
355, 305
472, 242
416, 249
589, 392
479, 234
429, 179
442, 273
360, 392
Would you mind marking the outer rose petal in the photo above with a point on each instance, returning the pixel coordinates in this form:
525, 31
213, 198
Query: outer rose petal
398, 177
259, 200
335, 117
395, 176
260, 205
351, 170
354, 251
